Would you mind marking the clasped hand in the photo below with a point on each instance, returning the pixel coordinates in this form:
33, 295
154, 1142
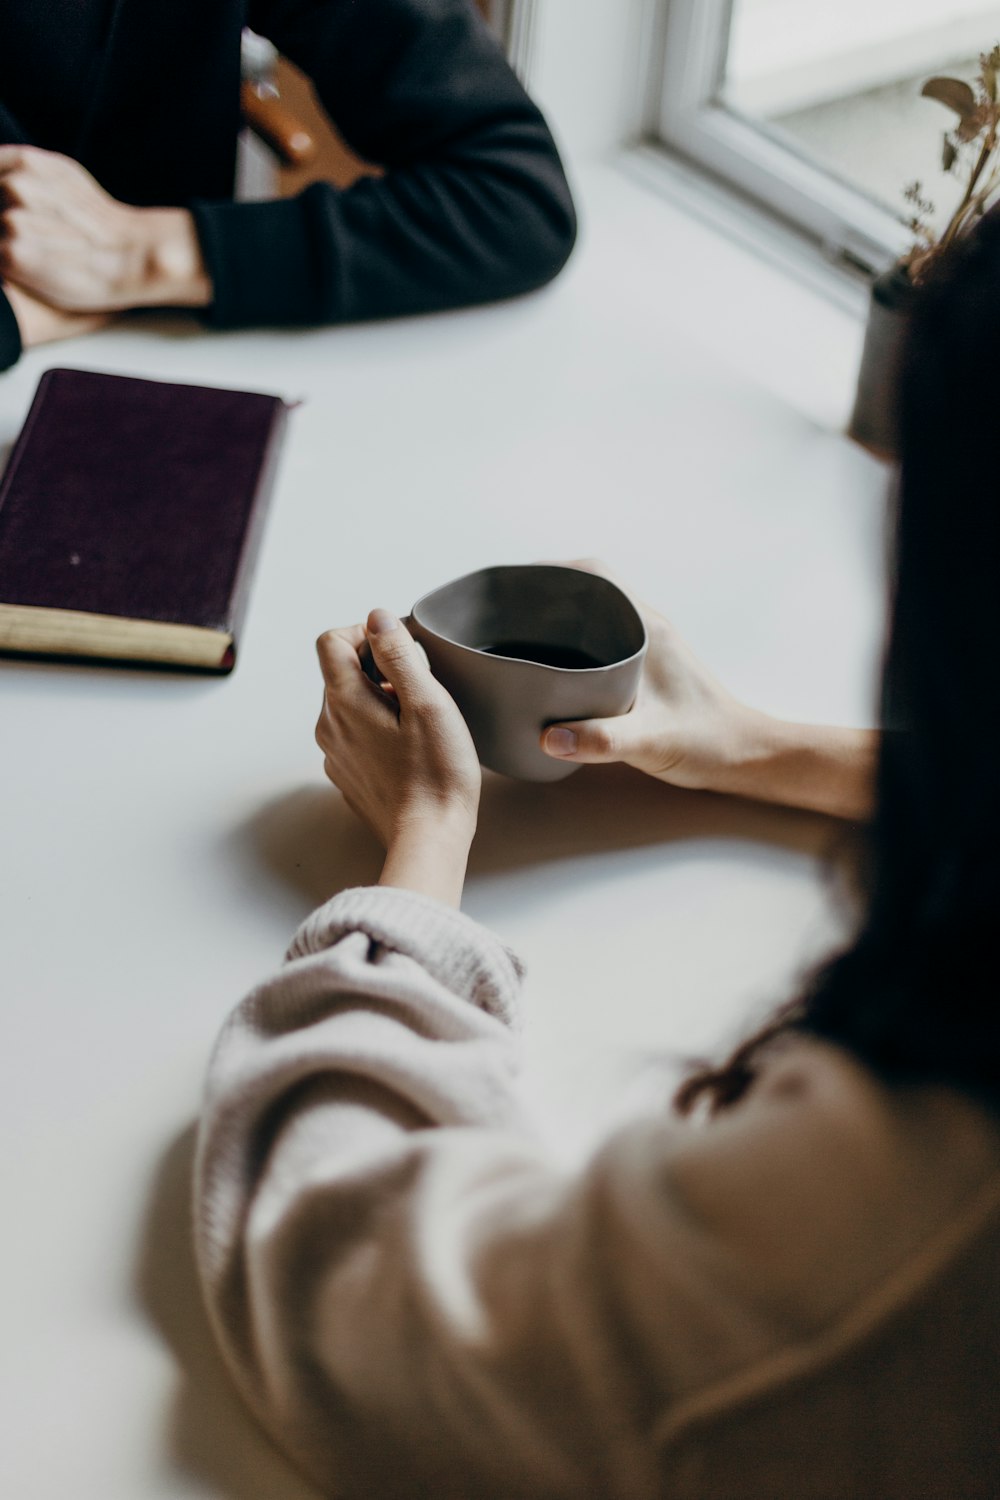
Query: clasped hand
70, 254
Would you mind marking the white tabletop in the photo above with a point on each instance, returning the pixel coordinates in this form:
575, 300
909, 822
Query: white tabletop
669, 405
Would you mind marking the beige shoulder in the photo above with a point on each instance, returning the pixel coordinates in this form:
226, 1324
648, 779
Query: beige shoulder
824, 1180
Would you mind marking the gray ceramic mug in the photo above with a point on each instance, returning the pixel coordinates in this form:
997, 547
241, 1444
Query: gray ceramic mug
522, 647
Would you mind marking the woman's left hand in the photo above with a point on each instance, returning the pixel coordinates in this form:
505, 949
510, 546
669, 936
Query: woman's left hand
401, 754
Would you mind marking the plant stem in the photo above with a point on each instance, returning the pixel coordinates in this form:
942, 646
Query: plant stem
954, 224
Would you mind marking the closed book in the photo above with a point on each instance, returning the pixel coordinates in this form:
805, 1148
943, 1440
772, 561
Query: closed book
130, 516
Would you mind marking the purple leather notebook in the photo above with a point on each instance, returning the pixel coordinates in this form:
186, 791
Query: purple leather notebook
130, 516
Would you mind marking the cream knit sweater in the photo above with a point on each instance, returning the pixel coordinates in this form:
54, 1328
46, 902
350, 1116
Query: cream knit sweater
797, 1299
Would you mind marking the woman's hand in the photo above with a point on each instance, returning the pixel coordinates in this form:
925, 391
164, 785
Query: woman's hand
68, 243
686, 729
401, 754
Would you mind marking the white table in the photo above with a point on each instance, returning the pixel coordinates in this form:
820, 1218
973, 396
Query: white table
669, 405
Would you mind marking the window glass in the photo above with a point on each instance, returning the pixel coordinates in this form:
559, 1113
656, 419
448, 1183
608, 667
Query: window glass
841, 84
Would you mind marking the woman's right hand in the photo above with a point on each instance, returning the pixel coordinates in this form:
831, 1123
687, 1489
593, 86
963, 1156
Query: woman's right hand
684, 727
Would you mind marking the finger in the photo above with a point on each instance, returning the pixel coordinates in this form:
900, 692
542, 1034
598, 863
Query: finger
22, 185
590, 741
24, 189
12, 157
15, 222
398, 657
338, 652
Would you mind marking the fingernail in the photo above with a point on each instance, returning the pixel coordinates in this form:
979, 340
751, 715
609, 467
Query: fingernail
560, 742
381, 621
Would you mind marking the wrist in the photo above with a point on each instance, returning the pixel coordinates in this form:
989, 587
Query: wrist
726, 756
169, 268
756, 741
817, 767
428, 852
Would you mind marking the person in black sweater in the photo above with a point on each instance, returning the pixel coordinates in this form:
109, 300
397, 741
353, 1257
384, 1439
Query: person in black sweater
118, 130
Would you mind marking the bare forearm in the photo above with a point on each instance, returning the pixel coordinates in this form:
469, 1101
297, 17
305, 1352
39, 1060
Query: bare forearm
817, 767
430, 857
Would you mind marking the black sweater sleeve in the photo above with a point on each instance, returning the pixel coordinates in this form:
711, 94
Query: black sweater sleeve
10, 335
473, 204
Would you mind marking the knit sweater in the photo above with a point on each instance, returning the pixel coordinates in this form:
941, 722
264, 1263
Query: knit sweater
796, 1298
473, 205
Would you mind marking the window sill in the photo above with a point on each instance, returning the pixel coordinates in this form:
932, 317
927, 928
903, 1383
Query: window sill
757, 298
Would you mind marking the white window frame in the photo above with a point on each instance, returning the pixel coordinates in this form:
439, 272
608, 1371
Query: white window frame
691, 121
514, 22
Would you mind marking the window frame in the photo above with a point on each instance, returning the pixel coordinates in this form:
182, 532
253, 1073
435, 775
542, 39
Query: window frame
514, 23
690, 121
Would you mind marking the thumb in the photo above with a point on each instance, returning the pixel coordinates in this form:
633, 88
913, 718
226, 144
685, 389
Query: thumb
397, 656
590, 740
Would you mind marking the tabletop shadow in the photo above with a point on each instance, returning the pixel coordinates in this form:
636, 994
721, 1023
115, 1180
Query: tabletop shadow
312, 845
174, 325
209, 1431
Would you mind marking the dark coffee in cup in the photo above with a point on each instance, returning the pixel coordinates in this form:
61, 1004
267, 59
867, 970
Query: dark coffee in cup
569, 657
526, 646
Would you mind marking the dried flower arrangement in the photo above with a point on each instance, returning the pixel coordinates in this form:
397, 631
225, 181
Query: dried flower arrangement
970, 152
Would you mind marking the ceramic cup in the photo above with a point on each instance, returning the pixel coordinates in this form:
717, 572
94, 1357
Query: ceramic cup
522, 647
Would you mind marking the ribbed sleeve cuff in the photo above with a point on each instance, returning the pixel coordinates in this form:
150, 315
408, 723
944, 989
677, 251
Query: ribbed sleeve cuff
10, 335
457, 952
264, 260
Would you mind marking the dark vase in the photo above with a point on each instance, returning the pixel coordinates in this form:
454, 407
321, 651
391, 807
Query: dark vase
875, 418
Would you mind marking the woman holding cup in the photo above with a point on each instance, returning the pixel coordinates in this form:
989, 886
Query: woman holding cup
792, 1294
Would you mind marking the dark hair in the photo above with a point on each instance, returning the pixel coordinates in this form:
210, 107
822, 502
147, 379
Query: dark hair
917, 995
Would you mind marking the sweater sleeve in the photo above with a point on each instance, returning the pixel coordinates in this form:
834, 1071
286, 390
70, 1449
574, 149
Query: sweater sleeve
10, 335
417, 1303
473, 204
401, 1282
